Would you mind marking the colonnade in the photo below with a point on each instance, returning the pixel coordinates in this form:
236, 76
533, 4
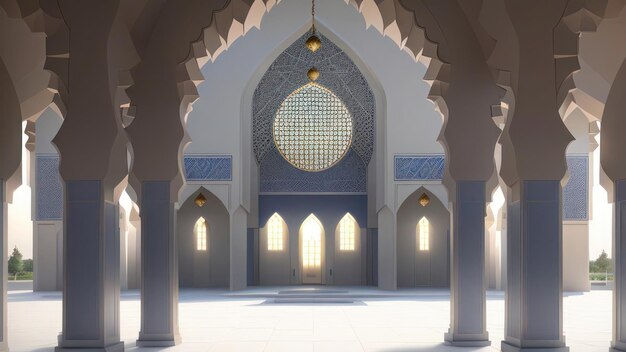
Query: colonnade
157, 56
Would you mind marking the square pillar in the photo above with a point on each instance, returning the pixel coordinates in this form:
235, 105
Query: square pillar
387, 251
159, 267
619, 248
4, 346
91, 292
534, 288
468, 326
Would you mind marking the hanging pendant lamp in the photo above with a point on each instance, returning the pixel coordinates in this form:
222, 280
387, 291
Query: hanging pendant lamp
314, 44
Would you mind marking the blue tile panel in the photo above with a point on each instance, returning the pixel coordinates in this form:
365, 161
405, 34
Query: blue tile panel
277, 175
208, 168
575, 192
419, 167
49, 188
338, 73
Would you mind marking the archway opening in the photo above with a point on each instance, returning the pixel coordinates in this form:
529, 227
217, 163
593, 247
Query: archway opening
311, 248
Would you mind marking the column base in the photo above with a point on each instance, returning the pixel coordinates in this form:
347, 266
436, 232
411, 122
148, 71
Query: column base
146, 340
617, 346
116, 347
506, 347
466, 340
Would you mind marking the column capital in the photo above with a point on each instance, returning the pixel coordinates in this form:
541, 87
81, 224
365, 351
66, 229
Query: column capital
613, 133
92, 142
10, 126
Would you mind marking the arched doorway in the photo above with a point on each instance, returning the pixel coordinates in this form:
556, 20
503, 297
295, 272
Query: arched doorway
311, 250
274, 267
349, 263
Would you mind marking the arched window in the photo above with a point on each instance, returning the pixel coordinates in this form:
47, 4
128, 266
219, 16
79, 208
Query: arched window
347, 232
311, 242
275, 233
201, 238
423, 233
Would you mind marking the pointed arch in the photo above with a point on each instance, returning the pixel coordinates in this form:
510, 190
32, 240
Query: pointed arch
276, 227
200, 232
423, 234
312, 232
347, 233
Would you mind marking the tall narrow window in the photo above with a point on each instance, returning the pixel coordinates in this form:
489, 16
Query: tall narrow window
347, 229
200, 230
311, 242
275, 233
423, 229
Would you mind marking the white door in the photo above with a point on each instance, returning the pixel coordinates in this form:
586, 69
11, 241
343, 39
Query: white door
311, 242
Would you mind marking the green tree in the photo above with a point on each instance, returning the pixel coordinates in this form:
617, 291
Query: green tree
602, 264
15, 263
28, 265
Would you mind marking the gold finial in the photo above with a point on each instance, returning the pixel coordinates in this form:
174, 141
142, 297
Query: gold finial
314, 42
313, 74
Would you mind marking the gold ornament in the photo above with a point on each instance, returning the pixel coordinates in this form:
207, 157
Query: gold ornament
313, 43
200, 200
313, 74
424, 199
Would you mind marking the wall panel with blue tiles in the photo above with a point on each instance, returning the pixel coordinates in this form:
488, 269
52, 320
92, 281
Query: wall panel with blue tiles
278, 176
419, 167
575, 192
208, 167
49, 188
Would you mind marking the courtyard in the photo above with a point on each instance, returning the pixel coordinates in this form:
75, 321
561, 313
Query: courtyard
326, 319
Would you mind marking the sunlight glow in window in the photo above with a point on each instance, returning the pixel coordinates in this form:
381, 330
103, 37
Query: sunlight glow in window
201, 239
347, 229
423, 229
311, 242
275, 233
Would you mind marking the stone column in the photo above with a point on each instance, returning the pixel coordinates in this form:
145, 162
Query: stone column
464, 92
159, 267
92, 145
10, 177
3, 275
387, 251
468, 282
534, 273
619, 248
157, 133
612, 146
533, 165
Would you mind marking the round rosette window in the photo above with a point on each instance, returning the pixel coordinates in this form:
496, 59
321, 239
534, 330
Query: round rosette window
313, 128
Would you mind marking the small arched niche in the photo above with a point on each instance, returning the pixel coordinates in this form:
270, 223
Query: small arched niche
203, 242
423, 242
274, 261
348, 264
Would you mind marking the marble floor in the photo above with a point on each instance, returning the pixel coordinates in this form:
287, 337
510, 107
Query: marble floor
402, 321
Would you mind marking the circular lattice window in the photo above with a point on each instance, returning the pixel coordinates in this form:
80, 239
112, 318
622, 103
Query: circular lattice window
313, 128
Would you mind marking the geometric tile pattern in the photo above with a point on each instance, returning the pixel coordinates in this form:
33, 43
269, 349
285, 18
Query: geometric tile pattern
419, 167
49, 188
337, 73
575, 192
277, 175
208, 167
342, 77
